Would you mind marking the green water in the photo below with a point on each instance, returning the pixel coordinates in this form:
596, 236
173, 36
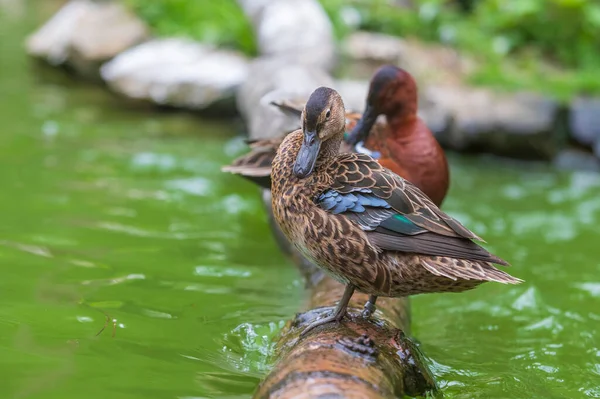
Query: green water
132, 268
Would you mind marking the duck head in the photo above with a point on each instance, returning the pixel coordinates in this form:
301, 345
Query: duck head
393, 93
323, 125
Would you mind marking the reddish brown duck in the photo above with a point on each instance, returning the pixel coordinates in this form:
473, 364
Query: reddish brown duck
366, 226
405, 144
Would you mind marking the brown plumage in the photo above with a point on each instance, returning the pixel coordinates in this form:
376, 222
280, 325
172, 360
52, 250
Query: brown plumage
363, 224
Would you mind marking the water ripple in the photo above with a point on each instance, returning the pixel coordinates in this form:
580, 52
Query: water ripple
248, 347
220, 271
115, 280
197, 186
591, 288
32, 249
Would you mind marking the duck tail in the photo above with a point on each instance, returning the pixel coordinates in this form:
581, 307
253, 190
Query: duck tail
254, 166
465, 269
288, 107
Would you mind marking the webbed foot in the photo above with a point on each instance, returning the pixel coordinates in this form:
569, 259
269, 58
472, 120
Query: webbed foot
338, 314
334, 317
368, 310
370, 307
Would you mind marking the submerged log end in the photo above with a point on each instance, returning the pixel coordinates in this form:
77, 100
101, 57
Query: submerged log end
356, 358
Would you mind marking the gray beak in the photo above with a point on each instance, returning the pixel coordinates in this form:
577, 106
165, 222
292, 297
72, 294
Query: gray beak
307, 156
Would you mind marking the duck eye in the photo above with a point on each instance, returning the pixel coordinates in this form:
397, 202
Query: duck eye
327, 114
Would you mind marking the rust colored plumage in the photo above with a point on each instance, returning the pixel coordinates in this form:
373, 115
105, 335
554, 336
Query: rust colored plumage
363, 224
405, 143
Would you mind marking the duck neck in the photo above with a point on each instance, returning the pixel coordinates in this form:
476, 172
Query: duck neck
329, 149
283, 163
405, 105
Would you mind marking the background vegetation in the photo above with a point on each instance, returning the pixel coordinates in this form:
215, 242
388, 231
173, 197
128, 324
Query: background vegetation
221, 22
552, 46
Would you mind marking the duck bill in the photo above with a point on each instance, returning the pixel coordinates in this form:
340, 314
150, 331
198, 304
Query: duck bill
307, 156
363, 127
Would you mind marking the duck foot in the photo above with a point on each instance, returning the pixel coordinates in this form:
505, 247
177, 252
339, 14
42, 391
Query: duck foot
338, 314
370, 307
328, 319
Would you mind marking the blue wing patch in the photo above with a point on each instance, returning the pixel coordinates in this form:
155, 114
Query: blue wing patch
368, 211
337, 203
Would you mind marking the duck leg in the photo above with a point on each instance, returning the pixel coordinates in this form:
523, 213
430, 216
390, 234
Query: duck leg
338, 313
369, 307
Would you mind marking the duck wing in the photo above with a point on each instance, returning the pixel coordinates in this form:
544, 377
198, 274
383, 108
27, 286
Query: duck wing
289, 107
394, 213
256, 165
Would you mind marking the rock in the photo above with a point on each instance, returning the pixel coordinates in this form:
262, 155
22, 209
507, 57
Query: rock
522, 125
354, 93
85, 33
252, 8
13, 8
584, 120
177, 72
428, 63
438, 119
596, 149
455, 102
274, 79
576, 159
374, 47
296, 29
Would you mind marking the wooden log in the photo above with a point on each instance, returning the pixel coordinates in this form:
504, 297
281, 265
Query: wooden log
356, 358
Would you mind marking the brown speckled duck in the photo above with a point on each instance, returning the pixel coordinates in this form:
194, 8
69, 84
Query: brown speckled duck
366, 226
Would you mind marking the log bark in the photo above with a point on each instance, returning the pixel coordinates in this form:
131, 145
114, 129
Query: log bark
356, 358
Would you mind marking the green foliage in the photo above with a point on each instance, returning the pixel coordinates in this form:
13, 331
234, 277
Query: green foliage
565, 30
551, 46
221, 22
374, 15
